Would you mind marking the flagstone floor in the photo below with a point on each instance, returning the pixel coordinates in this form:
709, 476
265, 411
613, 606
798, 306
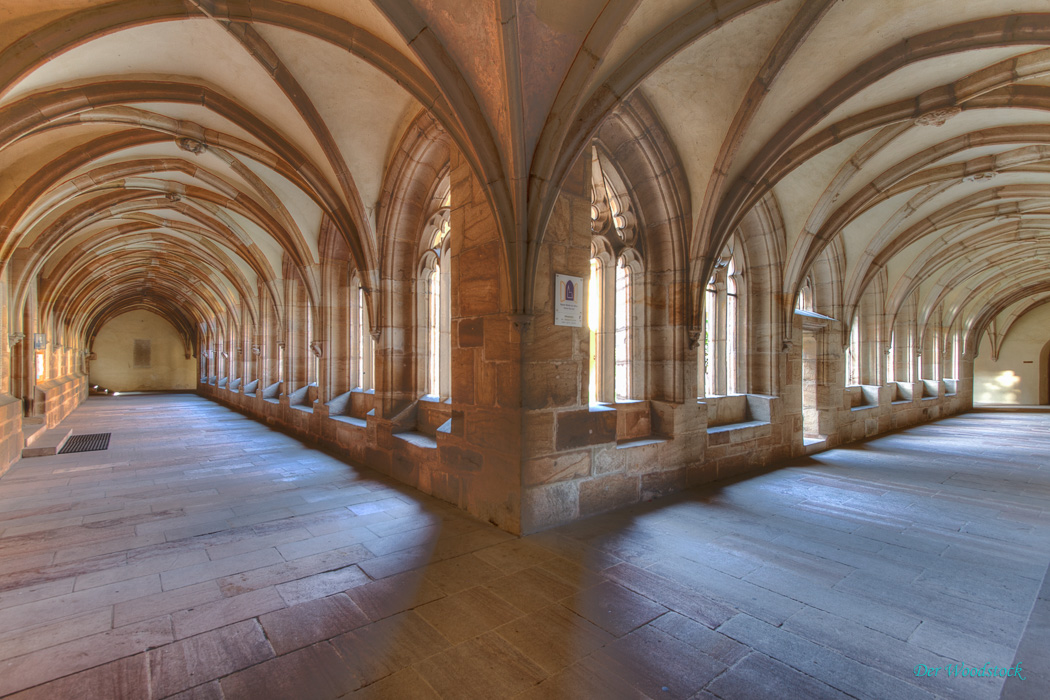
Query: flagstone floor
205, 556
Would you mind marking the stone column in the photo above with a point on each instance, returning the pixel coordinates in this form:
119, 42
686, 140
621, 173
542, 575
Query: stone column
480, 458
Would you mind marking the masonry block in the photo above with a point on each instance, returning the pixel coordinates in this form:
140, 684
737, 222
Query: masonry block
584, 427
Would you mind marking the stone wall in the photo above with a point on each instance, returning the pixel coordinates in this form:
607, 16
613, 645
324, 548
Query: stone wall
1019, 372
474, 463
57, 398
11, 441
519, 444
165, 364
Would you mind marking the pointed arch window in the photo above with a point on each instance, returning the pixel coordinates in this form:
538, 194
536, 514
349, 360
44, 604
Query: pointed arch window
362, 347
435, 310
615, 290
853, 353
722, 357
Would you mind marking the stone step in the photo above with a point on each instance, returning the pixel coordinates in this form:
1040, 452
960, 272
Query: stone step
32, 429
48, 444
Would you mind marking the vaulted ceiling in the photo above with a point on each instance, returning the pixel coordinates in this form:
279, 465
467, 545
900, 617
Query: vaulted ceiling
173, 154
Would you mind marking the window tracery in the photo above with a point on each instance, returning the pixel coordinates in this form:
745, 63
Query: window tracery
615, 307
435, 312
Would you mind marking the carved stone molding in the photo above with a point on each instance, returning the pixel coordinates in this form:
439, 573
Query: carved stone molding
521, 321
980, 177
192, 145
14, 339
936, 117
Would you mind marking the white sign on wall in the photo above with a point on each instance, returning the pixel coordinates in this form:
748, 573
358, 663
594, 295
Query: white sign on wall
568, 301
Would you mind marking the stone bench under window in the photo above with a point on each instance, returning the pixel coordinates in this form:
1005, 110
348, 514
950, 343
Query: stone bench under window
303, 398
353, 407
738, 418
272, 393
862, 397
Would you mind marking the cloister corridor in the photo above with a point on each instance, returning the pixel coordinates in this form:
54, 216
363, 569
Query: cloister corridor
204, 555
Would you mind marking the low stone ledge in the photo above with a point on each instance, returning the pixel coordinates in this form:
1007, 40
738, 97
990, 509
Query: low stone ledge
418, 439
640, 442
744, 431
359, 422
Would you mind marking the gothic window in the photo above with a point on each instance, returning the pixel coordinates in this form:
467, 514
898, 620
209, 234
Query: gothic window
732, 329
622, 348
891, 362
361, 345
614, 290
435, 310
710, 317
804, 300
722, 327
853, 353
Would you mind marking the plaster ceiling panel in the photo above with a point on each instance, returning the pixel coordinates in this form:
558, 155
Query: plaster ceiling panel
851, 32
698, 92
980, 152
270, 248
910, 81
202, 116
304, 211
157, 179
898, 264
25, 157
240, 263
97, 232
920, 138
167, 149
859, 233
198, 52
798, 193
363, 108
364, 14
961, 190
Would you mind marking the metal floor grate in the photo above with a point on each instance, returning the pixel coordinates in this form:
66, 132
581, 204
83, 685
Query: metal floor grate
86, 443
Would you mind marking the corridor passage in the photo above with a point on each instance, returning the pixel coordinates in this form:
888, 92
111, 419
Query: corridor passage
206, 556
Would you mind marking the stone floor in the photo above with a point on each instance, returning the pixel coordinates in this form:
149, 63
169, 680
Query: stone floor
207, 556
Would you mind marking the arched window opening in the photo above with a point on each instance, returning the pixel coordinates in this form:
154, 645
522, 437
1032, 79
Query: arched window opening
362, 352
891, 360
731, 331
434, 331
954, 357
622, 349
435, 309
313, 362
804, 300
722, 328
615, 290
853, 353
710, 314
594, 325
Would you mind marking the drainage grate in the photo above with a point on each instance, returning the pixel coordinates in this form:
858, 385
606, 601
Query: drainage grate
86, 443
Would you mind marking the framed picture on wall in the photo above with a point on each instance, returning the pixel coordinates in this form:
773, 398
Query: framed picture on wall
39, 341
